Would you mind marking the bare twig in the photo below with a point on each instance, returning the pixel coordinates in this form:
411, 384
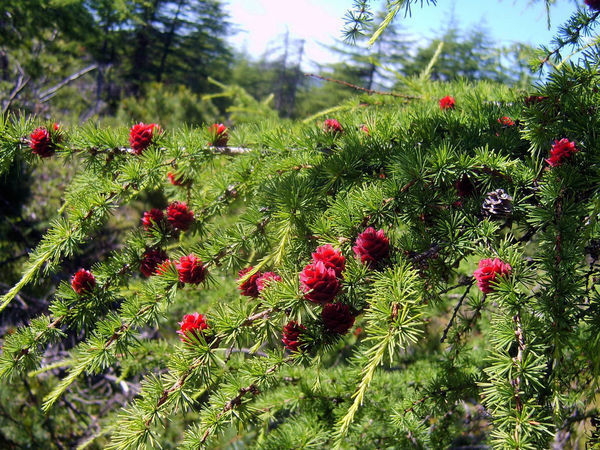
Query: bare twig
51, 92
407, 186
20, 84
432, 252
359, 88
464, 282
126, 150
468, 323
456, 308
257, 316
230, 150
518, 360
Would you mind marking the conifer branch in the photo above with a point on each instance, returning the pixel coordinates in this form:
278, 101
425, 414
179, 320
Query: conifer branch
237, 400
59, 244
57, 247
572, 33
376, 358
290, 200
25, 279
25, 350
150, 414
90, 352
396, 306
199, 361
46, 333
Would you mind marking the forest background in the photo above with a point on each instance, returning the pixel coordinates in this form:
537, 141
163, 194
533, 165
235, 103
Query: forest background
154, 60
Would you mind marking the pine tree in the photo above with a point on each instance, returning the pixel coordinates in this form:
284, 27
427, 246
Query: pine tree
472, 56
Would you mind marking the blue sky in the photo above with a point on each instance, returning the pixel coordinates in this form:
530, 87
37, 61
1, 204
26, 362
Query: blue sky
262, 23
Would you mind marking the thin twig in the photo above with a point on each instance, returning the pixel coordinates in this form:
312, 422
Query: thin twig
464, 282
257, 316
127, 150
359, 88
429, 253
51, 92
518, 360
457, 307
22, 81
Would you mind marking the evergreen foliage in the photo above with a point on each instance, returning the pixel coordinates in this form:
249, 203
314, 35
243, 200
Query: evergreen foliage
433, 361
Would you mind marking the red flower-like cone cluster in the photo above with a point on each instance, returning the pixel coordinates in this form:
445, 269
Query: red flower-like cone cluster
249, 287
489, 271
372, 246
152, 218
265, 279
561, 151
141, 136
151, 260
593, 4
447, 102
175, 180
83, 281
192, 324
332, 126
337, 318
43, 143
179, 216
291, 335
365, 129
319, 283
218, 135
332, 258
506, 121
191, 270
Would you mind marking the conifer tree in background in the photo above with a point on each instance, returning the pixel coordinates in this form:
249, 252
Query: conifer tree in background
474, 57
421, 273
276, 73
372, 68
125, 46
375, 66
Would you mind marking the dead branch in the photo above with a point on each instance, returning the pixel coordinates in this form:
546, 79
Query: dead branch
359, 88
51, 92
